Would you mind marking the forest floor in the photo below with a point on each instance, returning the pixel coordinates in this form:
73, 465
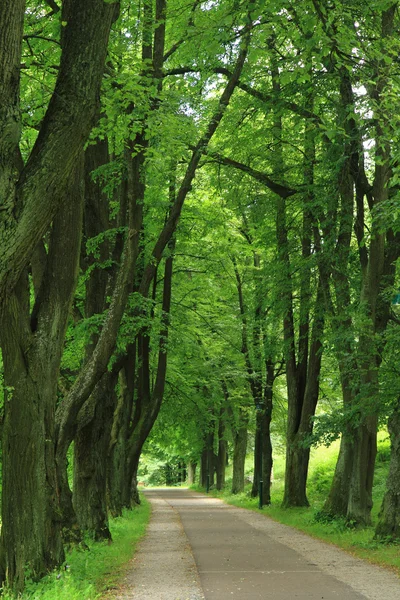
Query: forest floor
198, 548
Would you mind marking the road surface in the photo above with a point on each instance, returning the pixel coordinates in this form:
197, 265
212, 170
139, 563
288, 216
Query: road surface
198, 548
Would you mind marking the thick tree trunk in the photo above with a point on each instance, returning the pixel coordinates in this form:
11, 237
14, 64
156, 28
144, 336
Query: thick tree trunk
338, 498
263, 436
258, 446
222, 452
65, 127
132, 478
203, 467
239, 457
296, 475
211, 462
118, 483
95, 419
362, 474
31, 532
90, 462
389, 517
263, 454
191, 473
32, 347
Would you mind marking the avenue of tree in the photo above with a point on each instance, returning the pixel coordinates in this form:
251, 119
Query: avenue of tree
199, 222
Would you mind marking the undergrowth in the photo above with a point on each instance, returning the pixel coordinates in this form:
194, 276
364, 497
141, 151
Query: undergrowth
89, 574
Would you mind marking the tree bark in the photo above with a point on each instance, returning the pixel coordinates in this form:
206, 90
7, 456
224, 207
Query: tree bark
239, 434
90, 462
64, 130
191, 473
118, 483
32, 347
222, 452
388, 526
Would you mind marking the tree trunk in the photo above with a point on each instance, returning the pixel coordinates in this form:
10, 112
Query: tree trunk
222, 451
118, 484
191, 473
389, 517
32, 347
296, 475
211, 462
338, 498
258, 445
203, 467
239, 456
90, 462
362, 474
31, 532
132, 478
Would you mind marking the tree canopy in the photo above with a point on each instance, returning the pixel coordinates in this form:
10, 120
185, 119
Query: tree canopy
200, 231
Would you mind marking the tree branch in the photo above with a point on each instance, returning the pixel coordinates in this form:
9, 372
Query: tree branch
198, 152
281, 190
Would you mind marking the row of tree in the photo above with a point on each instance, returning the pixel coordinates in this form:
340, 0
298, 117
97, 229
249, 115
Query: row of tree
284, 260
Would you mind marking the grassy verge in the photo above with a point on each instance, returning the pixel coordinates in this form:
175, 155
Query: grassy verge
358, 542
90, 574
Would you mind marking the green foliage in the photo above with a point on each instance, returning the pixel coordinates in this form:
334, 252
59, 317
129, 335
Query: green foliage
86, 575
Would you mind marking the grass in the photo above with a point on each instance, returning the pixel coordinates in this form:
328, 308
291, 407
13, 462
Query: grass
358, 542
88, 575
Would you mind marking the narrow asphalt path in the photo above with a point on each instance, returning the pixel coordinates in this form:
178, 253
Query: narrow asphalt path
243, 555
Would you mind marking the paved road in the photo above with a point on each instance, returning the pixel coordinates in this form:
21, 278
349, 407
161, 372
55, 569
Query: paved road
243, 555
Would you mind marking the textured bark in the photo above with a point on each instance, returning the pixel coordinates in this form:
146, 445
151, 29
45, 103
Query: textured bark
95, 418
303, 364
64, 129
32, 347
90, 463
11, 29
338, 497
389, 517
191, 472
377, 268
222, 453
239, 457
300, 415
263, 436
203, 467
32, 350
210, 458
118, 483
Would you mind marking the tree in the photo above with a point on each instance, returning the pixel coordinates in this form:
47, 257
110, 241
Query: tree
32, 343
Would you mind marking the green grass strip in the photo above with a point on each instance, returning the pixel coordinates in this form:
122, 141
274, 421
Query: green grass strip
90, 574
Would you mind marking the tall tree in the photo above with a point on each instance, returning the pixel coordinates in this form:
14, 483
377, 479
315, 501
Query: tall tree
32, 343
